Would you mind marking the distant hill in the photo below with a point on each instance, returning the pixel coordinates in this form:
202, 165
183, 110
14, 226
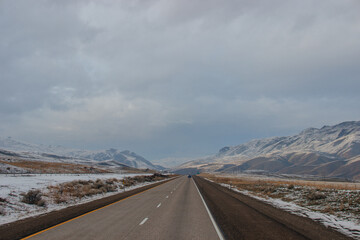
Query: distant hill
332, 151
108, 158
126, 157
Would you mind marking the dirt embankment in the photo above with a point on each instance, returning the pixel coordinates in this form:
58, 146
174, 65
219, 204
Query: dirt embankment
242, 217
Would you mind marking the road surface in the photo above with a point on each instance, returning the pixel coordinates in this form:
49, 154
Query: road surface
243, 217
177, 210
173, 210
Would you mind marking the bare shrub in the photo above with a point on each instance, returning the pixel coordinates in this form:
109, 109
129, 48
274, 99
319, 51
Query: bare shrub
2, 211
33, 197
139, 179
158, 176
328, 209
128, 182
277, 195
342, 206
269, 189
59, 199
99, 184
111, 181
3, 199
93, 191
78, 193
41, 203
83, 182
86, 190
110, 188
314, 195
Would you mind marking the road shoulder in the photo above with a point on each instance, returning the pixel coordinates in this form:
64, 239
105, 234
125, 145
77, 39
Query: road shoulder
243, 217
32, 225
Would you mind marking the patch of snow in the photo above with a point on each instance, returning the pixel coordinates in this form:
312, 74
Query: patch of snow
11, 187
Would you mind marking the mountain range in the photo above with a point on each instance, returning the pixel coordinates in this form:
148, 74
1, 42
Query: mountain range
331, 151
110, 158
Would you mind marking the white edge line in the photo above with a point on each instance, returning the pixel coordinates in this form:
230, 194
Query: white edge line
221, 237
143, 221
158, 205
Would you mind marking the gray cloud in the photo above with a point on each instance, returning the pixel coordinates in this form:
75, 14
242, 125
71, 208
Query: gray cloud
175, 78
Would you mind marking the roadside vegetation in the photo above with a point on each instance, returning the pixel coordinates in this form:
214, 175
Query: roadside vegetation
25, 195
3, 201
73, 191
33, 197
336, 198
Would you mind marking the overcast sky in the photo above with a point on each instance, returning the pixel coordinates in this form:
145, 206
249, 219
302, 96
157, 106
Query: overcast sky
175, 78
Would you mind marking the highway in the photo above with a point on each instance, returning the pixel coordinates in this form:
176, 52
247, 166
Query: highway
173, 210
242, 217
179, 209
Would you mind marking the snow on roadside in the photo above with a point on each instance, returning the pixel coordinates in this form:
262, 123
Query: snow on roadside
348, 228
11, 186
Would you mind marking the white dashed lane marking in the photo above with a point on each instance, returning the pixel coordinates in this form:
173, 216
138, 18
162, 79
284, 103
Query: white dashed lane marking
158, 205
143, 221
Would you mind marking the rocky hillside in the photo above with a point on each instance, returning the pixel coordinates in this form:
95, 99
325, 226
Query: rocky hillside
332, 151
106, 158
112, 155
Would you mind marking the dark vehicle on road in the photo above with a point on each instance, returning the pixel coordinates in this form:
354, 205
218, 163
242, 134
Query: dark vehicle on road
189, 176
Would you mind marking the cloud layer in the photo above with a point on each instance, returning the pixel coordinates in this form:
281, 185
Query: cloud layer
175, 78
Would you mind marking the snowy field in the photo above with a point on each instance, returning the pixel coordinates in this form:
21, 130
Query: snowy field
12, 186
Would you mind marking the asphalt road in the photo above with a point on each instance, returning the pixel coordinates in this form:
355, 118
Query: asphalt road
243, 217
173, 210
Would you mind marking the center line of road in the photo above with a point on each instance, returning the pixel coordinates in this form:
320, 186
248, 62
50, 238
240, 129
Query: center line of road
158, 205
143, 221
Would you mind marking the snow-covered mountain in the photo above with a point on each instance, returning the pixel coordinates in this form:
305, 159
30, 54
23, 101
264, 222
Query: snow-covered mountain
342, 140
126, 157
332, 151
11, 144
111, 157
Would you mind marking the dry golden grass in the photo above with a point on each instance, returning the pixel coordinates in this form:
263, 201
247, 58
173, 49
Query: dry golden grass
245, 180
53, 167
338, 198
78, 189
